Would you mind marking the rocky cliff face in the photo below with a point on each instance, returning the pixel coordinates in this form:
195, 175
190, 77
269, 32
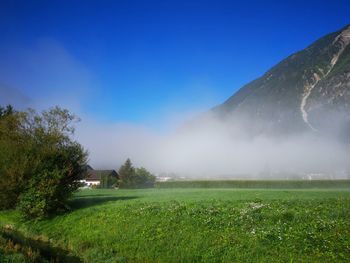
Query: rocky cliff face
308, 91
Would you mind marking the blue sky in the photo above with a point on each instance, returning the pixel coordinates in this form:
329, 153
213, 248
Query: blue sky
140, 61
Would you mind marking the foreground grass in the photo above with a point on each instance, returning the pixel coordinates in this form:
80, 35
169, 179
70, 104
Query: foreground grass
194, 225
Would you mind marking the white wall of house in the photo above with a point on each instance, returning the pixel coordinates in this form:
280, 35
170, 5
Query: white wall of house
90, 183
93, 182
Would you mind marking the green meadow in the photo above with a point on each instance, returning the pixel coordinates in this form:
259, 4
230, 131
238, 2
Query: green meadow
192, 225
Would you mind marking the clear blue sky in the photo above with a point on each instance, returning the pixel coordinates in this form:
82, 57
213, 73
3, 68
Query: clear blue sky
133, 61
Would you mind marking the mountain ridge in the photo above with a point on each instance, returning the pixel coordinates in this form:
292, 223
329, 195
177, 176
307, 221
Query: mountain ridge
289, 97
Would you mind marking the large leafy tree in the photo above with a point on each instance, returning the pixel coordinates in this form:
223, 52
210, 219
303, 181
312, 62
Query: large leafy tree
40, 164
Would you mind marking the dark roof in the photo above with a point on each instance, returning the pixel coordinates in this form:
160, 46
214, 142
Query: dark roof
95, 175
87, 167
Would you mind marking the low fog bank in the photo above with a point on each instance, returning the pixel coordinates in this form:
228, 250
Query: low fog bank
204, 148
212, 149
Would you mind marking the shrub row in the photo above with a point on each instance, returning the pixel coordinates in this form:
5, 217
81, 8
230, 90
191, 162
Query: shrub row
269, 184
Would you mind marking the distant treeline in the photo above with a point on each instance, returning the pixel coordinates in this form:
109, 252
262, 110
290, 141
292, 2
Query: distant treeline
269, 184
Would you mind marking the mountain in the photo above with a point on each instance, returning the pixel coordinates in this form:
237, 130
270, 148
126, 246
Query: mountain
307, 91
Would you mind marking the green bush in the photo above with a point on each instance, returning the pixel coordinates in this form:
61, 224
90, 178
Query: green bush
14, 157
40, 165
144, 178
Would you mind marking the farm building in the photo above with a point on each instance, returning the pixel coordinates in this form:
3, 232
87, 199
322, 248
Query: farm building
104, 178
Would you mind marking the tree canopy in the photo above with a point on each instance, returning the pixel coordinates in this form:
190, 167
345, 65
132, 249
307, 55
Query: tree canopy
131, 177
40, 164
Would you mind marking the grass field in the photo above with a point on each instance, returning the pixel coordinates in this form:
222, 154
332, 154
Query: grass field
199, 225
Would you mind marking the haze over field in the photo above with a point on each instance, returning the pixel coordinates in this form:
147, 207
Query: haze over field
175, 104
211, 150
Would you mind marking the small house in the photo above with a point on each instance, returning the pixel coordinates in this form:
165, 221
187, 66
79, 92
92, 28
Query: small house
102, 178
